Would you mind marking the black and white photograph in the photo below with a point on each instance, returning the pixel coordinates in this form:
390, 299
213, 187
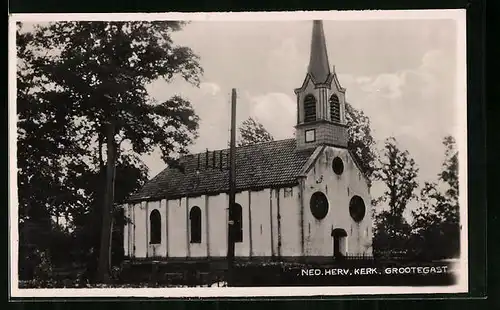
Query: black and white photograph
238, 154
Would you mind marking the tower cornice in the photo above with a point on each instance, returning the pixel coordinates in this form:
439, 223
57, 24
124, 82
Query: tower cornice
332, 78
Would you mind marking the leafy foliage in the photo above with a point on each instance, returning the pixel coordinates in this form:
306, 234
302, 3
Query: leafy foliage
252, 132
397, 170
73, 79
361, 142
399, 173
436, 225
392, 235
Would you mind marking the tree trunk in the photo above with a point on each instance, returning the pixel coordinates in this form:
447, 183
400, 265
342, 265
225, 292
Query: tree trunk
110, 251
103, 267
101, 142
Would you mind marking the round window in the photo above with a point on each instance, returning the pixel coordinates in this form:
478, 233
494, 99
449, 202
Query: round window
357, 208
319, 205
338, 165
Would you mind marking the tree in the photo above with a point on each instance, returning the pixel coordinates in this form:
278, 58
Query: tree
361, 142
449, 174
397, 170
252, 132
85, 86
436, 224
392, 235
42, 147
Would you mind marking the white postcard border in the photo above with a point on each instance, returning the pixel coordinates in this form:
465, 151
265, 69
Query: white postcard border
461, 98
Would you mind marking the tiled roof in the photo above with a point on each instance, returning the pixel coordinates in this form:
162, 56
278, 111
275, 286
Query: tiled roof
262, 165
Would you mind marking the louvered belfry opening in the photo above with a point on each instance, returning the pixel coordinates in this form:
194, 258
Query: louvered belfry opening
309, 108
334, 108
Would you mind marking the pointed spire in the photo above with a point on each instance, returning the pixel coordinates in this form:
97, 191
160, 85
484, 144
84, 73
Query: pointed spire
319, 67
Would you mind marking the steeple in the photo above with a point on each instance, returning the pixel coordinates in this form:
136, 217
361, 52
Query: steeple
320, 100
319, 67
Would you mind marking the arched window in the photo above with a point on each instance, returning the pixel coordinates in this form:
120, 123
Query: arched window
309, 108
238, 223
195, 224
334, 108
155, 227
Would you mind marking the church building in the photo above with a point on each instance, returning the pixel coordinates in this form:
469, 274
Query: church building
303, 198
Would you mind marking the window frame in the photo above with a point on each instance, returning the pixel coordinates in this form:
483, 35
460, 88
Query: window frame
338, 165
155, 227
314, 135
317, 195
195, 225
355, 214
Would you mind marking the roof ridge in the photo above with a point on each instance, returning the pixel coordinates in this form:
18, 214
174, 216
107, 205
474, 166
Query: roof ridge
239, 147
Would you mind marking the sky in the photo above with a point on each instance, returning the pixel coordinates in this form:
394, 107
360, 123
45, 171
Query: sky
401, 73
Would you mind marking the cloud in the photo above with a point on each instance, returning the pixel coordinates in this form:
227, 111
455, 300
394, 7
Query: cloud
210, 88
387, 85
280, 74
415, 105
406, 91
277, 112
363, 79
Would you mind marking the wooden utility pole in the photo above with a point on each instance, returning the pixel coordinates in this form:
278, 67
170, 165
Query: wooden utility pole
232, 189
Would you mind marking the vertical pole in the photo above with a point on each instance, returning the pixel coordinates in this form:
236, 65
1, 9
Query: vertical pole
232, 187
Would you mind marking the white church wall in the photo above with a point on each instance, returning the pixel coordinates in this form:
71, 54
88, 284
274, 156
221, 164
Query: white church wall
261, 223
140, 240
132, 229
177, 228
336, 187
271, 219
126, 231
217, 225
165, 237
197, 249
318, 239
273, 204
242, 249
339, 189
290, 222
360, 232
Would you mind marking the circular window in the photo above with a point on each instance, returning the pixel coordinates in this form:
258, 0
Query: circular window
357, 208
338, 165
319, 205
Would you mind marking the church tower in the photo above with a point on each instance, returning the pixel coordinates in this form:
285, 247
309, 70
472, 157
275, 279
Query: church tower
320, 100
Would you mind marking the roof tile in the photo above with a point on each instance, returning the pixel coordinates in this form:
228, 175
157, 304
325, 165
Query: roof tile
262, 165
